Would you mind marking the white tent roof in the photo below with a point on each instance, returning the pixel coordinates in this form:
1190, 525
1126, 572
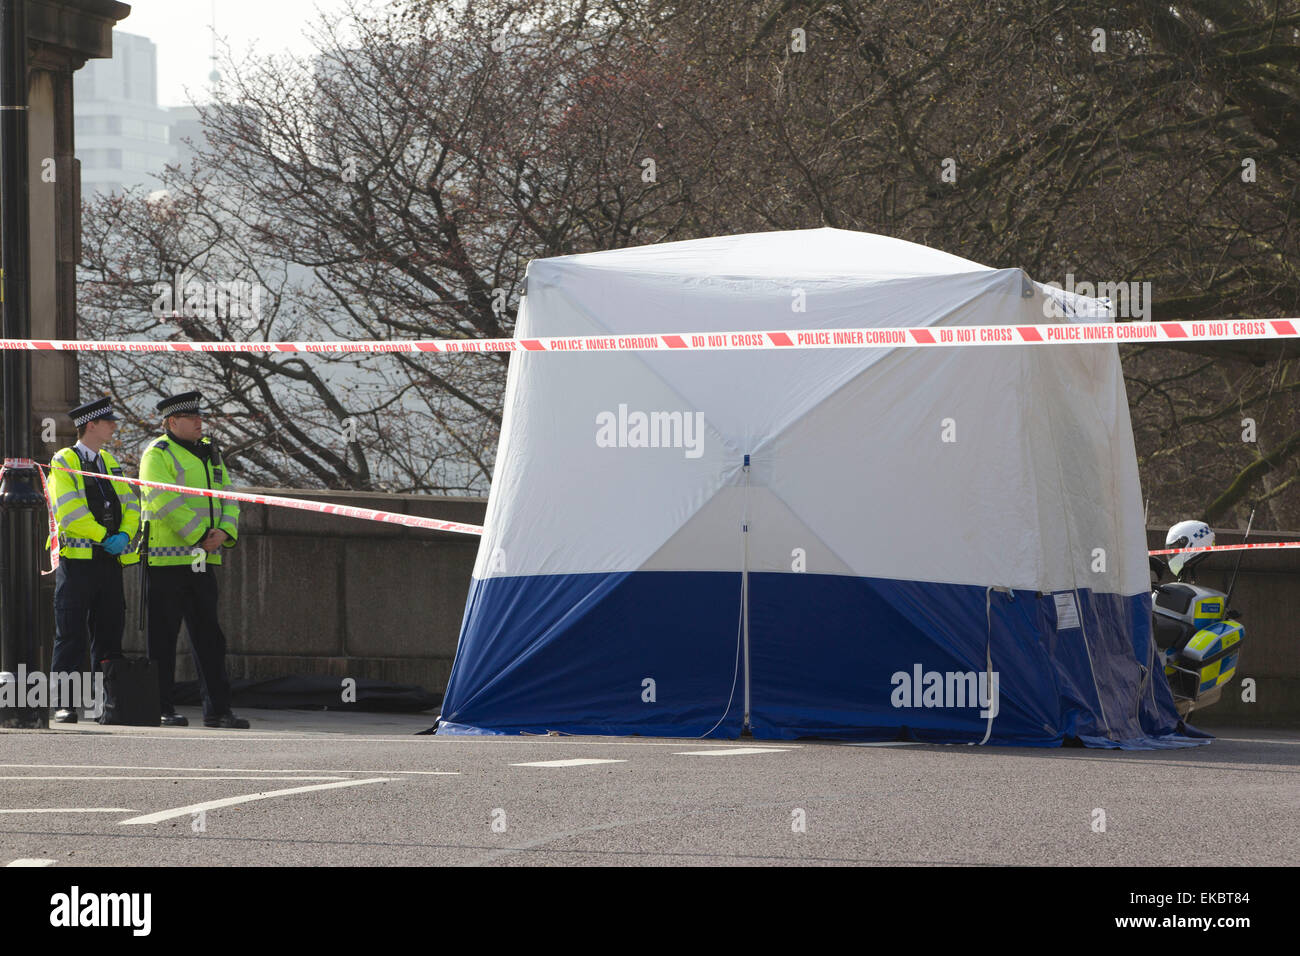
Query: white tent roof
848, 461
812, 253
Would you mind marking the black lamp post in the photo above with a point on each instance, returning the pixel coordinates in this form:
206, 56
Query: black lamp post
20, 499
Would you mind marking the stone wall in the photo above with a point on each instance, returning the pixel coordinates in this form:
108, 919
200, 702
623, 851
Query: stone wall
306, 593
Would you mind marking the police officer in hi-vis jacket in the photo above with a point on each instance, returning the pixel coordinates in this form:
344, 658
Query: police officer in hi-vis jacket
187, 534
97, 520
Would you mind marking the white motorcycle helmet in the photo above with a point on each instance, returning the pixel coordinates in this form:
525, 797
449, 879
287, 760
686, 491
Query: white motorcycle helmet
1188, 534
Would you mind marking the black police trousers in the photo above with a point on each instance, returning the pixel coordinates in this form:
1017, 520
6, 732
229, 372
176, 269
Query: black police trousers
179, 593
88, 601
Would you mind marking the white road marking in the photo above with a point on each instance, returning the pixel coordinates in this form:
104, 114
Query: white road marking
733, 752
342, 737
246, 798
74, 810
575, 762
102, 766
1261, 740
29, 861
168, 777
576, 739
880, 743
276, 738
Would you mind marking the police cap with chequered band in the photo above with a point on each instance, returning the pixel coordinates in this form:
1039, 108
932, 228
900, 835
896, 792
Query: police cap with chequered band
93, 411
186, 403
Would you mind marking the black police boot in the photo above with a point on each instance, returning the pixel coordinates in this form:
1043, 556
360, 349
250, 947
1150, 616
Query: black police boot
65, 715
228, 721
174, 720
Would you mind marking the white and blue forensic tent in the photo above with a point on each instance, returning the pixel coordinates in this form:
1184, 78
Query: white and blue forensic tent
938, 544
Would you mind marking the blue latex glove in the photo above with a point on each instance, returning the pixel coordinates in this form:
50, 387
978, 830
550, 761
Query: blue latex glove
116, 543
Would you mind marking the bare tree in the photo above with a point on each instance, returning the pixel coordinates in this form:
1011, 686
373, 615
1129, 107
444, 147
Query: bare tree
392, 187
401, 180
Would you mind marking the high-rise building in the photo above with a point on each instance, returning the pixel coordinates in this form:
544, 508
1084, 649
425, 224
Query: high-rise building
187, 134
123, 138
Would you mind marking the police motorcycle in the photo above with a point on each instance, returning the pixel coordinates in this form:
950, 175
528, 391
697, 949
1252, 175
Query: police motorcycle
1197, 634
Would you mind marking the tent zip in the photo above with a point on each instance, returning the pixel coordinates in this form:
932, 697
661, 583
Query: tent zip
988, 653
744, 593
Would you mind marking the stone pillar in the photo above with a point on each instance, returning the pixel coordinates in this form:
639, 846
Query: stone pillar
62, 36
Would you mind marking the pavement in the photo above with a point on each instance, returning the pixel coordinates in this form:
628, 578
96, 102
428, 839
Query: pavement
321, 788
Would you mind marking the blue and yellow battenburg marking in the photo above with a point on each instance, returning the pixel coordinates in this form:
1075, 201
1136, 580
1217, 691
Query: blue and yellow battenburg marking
1207, 610
1212, 646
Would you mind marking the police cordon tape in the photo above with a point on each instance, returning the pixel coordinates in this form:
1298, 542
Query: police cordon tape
1064, 333
1231, 547
347, 511
435, 524
16, 463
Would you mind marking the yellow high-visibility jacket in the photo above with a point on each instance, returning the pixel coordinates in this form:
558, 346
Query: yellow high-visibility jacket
79, 532
178, 522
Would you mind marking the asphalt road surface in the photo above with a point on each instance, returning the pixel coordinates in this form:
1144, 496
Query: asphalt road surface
311, 788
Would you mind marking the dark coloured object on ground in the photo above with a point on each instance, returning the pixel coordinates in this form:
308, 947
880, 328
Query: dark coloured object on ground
130, 692
314, 692
228, 721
